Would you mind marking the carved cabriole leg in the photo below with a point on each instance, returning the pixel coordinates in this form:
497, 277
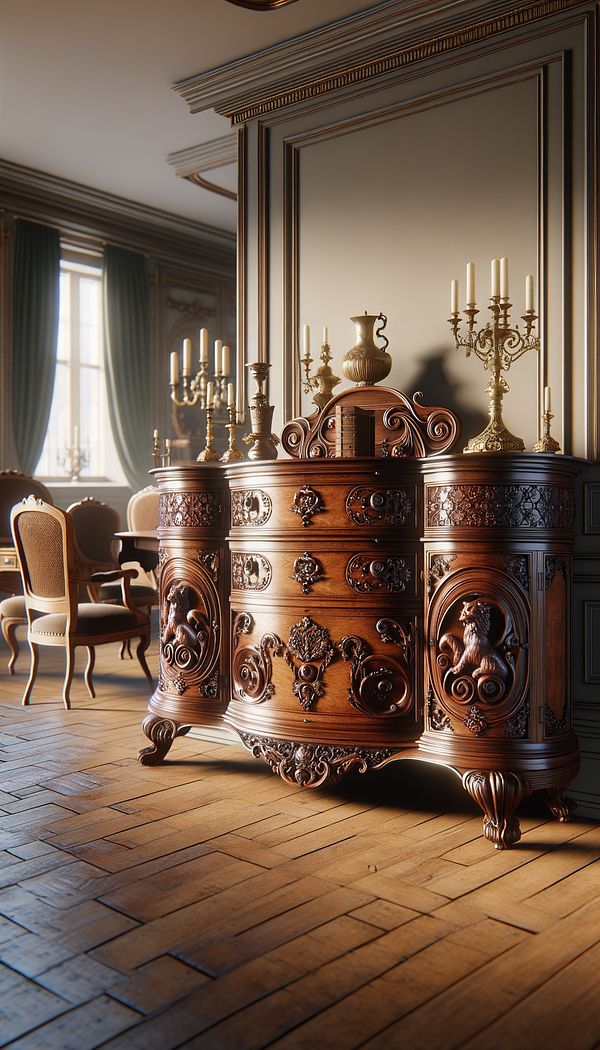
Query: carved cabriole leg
161, 732
498, 794
559, 804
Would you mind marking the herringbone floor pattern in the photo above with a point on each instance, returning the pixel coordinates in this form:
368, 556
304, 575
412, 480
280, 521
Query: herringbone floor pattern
205, 904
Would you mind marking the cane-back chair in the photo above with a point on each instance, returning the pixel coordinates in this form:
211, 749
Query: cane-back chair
14, 486
43, 537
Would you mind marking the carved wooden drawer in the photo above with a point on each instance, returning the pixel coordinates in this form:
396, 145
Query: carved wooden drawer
8, 559
337, 570
326, 496
294, 670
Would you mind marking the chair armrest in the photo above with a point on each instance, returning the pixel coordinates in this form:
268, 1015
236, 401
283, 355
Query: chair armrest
113, 575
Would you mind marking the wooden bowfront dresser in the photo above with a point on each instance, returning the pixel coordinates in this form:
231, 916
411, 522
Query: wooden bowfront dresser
343, 613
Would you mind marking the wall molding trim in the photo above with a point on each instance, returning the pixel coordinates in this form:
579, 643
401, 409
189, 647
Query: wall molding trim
357, 49
216, 153
89, 214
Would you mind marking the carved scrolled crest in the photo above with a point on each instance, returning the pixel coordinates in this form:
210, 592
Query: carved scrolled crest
308, 652
313, 765
477, 651
251, 666
403, 426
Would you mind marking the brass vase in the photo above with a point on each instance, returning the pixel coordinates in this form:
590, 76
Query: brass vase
366, 363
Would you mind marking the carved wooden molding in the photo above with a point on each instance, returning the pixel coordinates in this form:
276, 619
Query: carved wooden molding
439, 566
352, 51
250, 572
379, 685
216, 153
367, 574
365, 506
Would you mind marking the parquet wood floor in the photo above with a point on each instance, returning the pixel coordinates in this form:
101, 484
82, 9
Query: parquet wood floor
205, 904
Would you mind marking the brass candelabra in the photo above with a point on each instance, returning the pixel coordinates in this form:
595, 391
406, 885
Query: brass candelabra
323, 380
74, 459
498, 345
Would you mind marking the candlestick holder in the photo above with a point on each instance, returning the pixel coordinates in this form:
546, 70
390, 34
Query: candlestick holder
209, 454
262, 442
498, 345
547, 443
220, 396
323, 380
233, 452
161, 454
73, 460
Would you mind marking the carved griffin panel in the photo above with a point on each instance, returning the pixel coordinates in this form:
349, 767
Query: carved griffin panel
189, 632
478, 650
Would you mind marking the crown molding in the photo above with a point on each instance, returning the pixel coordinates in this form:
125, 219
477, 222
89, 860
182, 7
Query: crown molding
75, 209
208, 155
363, 46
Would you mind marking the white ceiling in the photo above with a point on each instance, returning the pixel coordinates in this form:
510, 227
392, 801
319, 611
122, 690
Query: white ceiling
85, 88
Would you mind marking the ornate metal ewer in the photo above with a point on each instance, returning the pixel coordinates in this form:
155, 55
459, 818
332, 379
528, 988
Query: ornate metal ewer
366, 363
262, 442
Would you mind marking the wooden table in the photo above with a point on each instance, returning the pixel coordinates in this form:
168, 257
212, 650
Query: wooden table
139, 546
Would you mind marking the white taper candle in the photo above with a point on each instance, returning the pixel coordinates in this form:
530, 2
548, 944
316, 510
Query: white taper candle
174, 369
470, 284
226, 361
495, 277
203, 346
218, 357
210, 394
529, 293
504, 278
453, 297
547, 399
306, 341
187, 357
230, 395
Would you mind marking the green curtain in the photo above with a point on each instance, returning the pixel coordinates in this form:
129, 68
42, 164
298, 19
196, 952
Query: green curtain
35, 300
127, 333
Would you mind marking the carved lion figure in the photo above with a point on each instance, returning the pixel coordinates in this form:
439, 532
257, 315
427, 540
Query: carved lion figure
475, 653
183, 625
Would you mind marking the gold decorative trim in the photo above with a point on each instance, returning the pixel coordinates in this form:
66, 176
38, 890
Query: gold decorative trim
261, 5
212, 187
427, 49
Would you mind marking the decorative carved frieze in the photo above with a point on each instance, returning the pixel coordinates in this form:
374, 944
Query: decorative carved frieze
367, 574
365, 506
500, 506
551, 567
312, 765
209, 687
307, 571
518, 726
307, 502
189, 632
195, 310
439, 565
476, 721
250, 572
250, 507
517, 566
180, 509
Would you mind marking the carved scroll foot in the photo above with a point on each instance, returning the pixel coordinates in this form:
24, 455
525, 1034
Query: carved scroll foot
161, 733
559, 804
498, 794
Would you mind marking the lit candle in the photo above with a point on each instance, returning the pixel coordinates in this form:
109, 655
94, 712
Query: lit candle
226, 360
187, 357
471, 284
504, 278
218, 357
203, 346
230, 395
210, 394
306, 341
325, 335
529, 293
453, 297
495, 275
174, 373
547, 399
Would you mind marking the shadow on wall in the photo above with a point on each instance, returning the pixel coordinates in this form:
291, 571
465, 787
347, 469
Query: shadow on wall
438, 390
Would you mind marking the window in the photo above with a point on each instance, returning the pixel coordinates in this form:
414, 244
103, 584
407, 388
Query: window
79, 432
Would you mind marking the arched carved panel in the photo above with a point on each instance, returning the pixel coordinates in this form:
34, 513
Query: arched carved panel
478, 629
190, 618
